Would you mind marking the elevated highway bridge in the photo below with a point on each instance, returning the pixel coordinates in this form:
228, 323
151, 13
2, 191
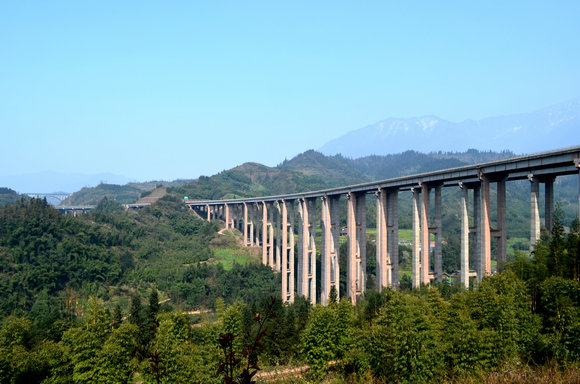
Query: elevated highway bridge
270, 222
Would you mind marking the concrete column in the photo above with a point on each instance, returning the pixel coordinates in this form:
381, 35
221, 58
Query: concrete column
251, 224
416, 278
438, 236
485, 230
330, 246
227, 214
257, 227
267, 235
356, 262
425, 245
381, 240
477, 229
287, 251
278, 250
271, 236
393, 238
464, 262
501, 224
535, 212
208, 212
307, 250
245, 229
549, 204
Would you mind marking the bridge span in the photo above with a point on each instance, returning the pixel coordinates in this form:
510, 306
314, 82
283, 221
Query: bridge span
257, 217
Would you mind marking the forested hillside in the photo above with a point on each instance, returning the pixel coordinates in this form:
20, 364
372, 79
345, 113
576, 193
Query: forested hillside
518, 326
7, 195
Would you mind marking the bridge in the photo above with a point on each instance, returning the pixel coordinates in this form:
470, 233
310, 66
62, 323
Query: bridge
58, 196
73, 210
254, 217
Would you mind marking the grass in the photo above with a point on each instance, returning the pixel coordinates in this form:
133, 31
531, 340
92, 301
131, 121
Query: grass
228, 256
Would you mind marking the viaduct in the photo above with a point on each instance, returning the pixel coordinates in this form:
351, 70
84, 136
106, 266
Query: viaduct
270, 221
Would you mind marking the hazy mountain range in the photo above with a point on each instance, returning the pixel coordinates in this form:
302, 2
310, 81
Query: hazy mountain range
51, 182
550, 128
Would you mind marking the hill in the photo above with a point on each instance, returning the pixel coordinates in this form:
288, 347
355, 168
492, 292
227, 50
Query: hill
313, 170
7, 196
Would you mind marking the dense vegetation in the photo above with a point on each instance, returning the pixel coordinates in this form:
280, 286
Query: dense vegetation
7, 195
527, 316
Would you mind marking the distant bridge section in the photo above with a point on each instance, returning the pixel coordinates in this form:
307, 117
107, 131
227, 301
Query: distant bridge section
58, 196
75, 210
269, 222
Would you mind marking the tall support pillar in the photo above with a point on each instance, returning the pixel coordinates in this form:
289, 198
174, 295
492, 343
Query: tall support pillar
267, 235
356, 262
501, 224
208, 212
464, 262
251, 224
278, 248
257, 227
287, 251
549, 203
383, 264
330, 246
485, 260
228, 217
393, 238
416, 278
245, 224
307, 250
438, 236
425, 246
535, 211
478, 229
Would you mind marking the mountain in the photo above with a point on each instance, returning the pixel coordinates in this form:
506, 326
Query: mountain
50, 182
542, 130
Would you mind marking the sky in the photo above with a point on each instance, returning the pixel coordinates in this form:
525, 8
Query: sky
178, 89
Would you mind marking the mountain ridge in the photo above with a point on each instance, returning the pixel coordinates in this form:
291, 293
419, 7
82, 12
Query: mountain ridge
537, 131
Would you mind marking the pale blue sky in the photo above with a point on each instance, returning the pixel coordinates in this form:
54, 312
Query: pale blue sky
166, 90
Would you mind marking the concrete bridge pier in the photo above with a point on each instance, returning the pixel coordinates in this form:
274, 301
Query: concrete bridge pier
228, 217
287, 251
267, 235
464, 262
437, 230
330, 248
500, 231
248, 225
393, 237
258, 224
278, 241
425, 243
307, 249
535, 206
485, 234
549, 202
383, 262
356, 262
535, 211
415, 266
